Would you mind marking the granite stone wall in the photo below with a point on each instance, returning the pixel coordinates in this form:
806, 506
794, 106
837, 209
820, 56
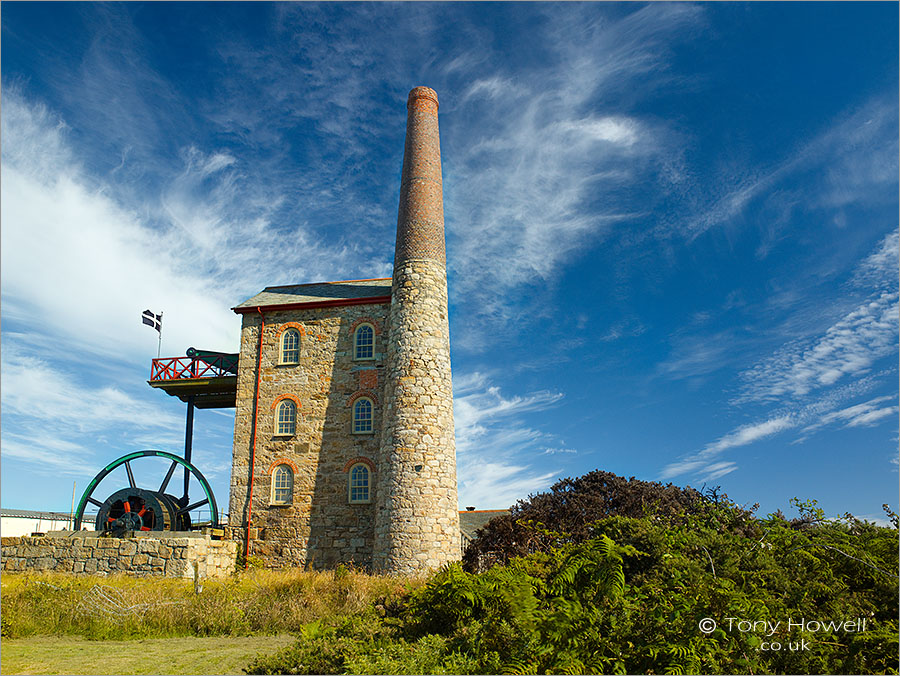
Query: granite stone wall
318, 527
417, 522
163, 557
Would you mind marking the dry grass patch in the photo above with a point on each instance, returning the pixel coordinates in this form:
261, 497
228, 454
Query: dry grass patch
123, 607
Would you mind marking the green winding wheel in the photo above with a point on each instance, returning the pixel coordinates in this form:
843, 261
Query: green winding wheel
135, 508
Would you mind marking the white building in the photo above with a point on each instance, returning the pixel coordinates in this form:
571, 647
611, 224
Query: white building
17, 522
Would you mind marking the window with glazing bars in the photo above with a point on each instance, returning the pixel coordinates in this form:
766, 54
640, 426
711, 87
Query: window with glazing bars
362, 416
290, 347
359, 483
282, 484
365, 342
287, 418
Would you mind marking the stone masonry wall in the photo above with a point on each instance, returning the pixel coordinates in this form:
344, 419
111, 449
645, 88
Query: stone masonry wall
163, 557
417, 522
417, 526
319, 527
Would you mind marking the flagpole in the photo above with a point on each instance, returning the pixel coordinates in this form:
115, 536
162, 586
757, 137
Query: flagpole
159, 345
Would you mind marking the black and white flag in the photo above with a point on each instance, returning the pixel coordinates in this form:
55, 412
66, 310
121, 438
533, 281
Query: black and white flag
153, 320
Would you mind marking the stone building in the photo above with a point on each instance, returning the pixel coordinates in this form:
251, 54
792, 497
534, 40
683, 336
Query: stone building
344, 445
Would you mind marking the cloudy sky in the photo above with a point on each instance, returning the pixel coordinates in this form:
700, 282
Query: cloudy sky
671, 228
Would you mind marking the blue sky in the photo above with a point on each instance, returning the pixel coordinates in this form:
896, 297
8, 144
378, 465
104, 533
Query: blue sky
671, 228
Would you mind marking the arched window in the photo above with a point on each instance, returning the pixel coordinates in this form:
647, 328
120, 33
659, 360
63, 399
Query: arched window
290, 347
359, 483
282, 485
286, 420
364, 342
362, 416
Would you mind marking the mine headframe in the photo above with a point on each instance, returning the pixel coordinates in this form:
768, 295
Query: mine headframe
201, 379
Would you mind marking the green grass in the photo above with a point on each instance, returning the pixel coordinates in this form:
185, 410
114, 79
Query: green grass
76, 655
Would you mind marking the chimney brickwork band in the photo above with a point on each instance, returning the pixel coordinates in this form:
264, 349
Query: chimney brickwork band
417, 518
420, 220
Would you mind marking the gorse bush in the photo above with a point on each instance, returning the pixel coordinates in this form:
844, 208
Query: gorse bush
641, 595
651, 579
572, 505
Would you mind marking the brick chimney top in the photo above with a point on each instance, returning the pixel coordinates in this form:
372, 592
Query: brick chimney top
422, 93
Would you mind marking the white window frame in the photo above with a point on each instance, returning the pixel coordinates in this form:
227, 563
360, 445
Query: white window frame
281, 405
282, 350
353, 421
282, 469
368, 485
356, 344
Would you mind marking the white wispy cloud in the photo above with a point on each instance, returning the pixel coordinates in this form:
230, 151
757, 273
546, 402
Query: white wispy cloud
848, 348
879, 269
554, 451
846, 352
35, 391
702, 461
856, 156
864, 414
494, 485
46, 453
492, 436
192, 251
537, 178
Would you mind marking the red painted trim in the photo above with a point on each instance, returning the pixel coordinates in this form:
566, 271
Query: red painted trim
374, 300
262, 328
360, 460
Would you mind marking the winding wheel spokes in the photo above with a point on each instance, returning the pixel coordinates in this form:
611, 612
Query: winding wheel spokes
136, 508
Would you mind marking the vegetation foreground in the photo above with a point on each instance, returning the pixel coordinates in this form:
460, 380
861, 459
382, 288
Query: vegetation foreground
599, 575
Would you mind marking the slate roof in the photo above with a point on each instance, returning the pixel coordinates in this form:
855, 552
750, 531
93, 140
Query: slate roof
320, 292
471, 521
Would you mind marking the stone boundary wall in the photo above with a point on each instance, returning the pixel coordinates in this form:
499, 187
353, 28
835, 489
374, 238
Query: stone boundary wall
163, 557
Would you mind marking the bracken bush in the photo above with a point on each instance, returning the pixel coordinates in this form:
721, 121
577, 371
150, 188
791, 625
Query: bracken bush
628, 594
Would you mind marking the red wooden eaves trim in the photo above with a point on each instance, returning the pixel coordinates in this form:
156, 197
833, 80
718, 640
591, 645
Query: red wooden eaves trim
374, 300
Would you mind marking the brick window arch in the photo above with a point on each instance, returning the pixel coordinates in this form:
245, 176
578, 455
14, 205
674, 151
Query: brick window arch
376, 325
284, 461
368, 394
360, 459
282, 397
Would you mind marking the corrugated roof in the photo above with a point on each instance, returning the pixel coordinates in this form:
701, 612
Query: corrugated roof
31, 514
319, 292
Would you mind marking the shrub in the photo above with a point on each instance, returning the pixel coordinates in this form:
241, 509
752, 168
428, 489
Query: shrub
572, 505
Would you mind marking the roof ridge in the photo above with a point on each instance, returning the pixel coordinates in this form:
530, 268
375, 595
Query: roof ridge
345, 281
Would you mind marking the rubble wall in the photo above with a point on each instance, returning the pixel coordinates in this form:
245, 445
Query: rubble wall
162, 557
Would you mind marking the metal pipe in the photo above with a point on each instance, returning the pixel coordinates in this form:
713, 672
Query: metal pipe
262, 328
188, 445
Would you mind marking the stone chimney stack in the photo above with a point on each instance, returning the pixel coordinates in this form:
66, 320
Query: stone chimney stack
417, 518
